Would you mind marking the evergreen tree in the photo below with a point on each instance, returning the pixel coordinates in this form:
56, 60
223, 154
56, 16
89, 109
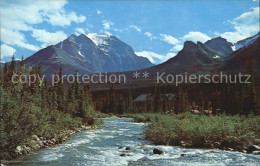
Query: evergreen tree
129, 102
157, 100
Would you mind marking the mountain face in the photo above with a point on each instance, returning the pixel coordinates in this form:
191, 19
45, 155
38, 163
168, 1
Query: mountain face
212, 52
191, 54
119, 52
88, 54
245, 59
213, 56
220, 45
246, 42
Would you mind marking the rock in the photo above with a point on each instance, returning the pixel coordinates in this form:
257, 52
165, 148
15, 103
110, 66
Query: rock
53, 140
189, 155
128, 148
41, 144
64, 138
256, 152
252, 148
35, 146
122, 155
120, 147
157, 151
22, 149
230, 149
19, 150
35, 138
27, 149
217, 144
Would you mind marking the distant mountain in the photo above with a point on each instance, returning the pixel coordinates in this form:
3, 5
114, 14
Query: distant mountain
213, 56
192, 54
88, 54
246, 42
219, 44
121, 54
105, 53
197, 57
245, 59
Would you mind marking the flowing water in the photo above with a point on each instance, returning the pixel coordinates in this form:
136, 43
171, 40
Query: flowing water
104, 147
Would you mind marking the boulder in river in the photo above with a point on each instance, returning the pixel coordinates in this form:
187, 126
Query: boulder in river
157, 151
252, 148
123, 155
256, 152
128, 148
189, 155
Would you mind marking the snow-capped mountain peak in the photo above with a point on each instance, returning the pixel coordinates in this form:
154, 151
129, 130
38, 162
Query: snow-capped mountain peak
90, 53
100, 39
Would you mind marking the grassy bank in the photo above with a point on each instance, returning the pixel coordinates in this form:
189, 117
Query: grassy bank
201, 131
141, 117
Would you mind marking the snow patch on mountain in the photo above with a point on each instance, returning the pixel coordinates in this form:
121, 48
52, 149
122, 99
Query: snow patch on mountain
99, 39
216, 57
80, 54
245, 43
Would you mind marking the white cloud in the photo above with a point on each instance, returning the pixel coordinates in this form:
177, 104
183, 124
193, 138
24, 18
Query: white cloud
154, 57
107, 24
169, 39
48, 38
17, 17
79, 31
7, 51
138, 29
169, 55
99, 12
62, 18
246, 25
196, 36
177, 47
13, 37
117, 30
150, 35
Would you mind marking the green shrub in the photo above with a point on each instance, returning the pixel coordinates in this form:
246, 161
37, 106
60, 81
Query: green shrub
199, 130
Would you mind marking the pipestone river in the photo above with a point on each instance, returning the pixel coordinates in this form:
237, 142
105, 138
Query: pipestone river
104, 147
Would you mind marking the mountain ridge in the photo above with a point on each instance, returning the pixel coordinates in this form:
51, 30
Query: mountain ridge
83, 54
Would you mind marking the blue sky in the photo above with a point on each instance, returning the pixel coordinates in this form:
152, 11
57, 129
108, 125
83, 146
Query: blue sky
155, 29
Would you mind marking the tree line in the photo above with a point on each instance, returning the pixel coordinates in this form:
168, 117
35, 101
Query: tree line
39, 109
236, 98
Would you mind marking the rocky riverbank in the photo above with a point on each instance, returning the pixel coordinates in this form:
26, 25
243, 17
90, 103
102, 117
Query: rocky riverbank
36, 143
224, 145
233, 133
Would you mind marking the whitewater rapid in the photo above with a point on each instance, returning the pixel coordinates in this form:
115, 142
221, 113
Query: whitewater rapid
103, 147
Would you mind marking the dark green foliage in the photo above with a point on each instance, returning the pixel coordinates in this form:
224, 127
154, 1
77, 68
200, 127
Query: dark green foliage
231, 98
200, 130
39, 109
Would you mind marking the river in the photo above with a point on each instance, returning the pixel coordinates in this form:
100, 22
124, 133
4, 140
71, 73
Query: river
103, 147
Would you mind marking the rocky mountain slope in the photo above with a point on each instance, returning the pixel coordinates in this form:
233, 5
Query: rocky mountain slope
88, 54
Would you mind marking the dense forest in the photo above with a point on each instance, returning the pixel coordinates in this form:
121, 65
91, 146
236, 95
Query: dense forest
39, 109
231, 98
